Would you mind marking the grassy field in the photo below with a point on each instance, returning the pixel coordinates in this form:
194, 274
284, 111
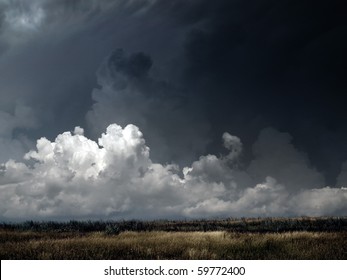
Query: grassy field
42, 242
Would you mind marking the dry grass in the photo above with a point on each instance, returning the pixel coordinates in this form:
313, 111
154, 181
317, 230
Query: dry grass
173, 245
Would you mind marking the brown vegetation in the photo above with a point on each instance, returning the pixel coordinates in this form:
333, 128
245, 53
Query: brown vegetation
16, 244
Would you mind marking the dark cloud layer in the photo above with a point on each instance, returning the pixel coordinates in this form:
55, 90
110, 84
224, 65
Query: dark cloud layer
275, 63
272, 73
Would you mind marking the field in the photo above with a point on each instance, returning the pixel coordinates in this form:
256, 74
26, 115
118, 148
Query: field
302, 238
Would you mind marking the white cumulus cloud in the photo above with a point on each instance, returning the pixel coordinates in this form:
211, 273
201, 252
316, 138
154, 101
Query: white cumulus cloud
75, 177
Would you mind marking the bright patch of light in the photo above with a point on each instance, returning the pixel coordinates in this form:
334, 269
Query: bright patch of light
25, 19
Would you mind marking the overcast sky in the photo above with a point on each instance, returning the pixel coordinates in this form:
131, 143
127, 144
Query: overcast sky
172, 109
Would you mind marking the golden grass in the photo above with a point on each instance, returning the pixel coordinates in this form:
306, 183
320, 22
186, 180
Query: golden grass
173, 245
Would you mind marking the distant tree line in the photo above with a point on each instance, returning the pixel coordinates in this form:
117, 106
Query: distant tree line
257, 225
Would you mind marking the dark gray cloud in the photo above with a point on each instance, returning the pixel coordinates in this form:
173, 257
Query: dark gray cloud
277, 157
128, 93
184, 72
274, 63
49, 64
136, 65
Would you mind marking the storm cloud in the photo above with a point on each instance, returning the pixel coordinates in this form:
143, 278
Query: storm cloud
179, 109
128, 93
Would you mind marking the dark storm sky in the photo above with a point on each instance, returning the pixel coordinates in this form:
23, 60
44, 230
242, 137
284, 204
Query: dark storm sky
184, 72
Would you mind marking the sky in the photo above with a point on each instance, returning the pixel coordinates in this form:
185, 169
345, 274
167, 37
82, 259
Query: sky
148, 109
